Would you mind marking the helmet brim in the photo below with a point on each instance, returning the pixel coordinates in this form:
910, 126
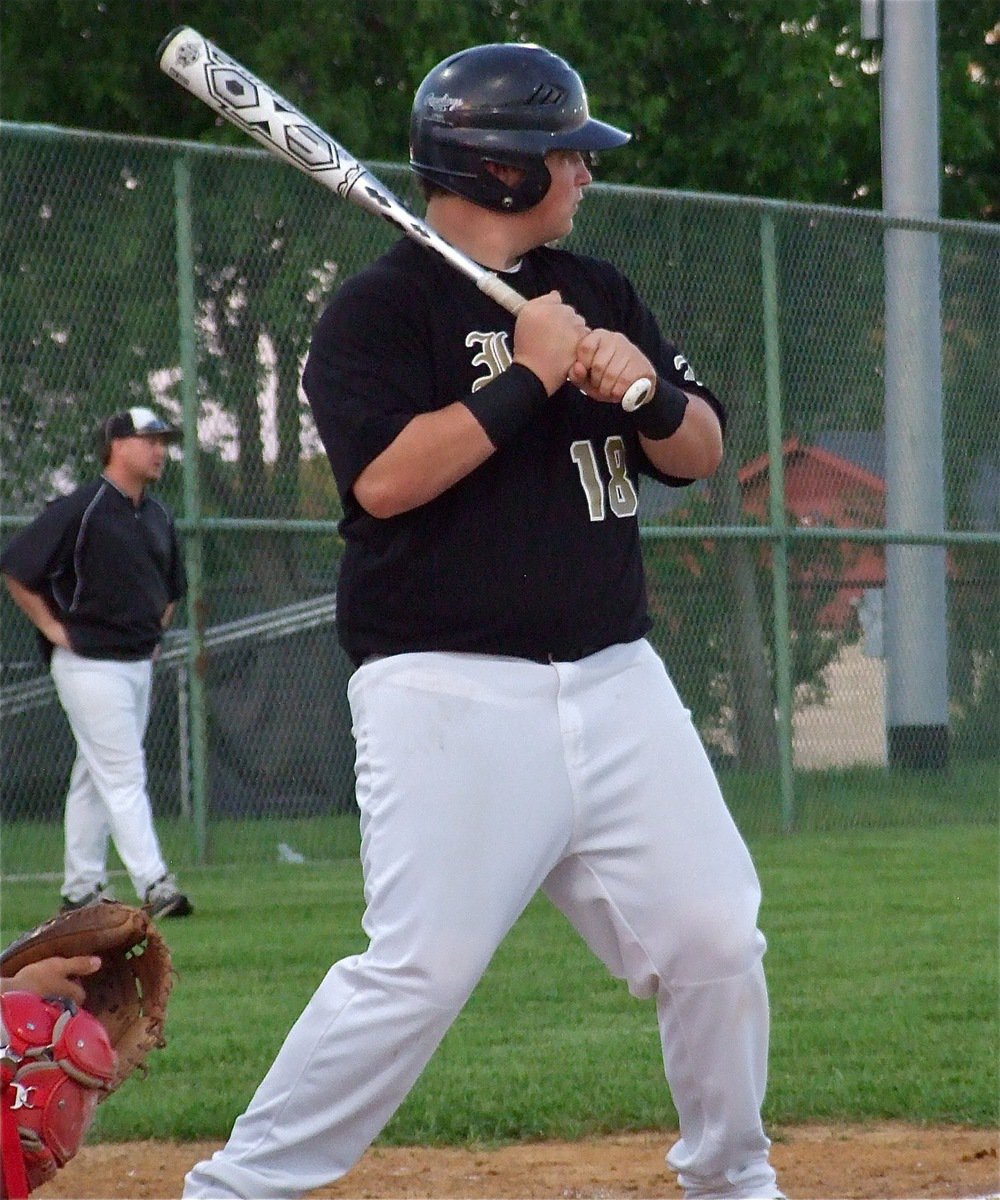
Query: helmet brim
591, 135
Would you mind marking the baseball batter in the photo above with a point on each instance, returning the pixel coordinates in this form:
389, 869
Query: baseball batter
514, 728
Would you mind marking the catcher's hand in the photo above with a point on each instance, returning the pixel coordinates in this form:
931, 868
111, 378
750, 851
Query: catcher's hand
128, 993
55, 977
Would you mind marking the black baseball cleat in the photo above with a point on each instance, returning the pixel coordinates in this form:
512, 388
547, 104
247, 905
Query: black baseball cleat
165, 899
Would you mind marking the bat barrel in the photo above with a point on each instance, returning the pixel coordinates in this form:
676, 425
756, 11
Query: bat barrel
235, 93
228, 88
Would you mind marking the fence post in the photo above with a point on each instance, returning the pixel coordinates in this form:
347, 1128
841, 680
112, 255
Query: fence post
184, 739
192, 505
916, 580
778, 520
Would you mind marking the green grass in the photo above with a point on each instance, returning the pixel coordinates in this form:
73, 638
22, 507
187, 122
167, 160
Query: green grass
825, 801
866, 798
36, 847
882, 967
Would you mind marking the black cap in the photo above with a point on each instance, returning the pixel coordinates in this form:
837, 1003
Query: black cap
138, 422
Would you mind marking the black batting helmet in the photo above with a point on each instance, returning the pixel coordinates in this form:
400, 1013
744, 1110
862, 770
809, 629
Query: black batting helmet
507, 103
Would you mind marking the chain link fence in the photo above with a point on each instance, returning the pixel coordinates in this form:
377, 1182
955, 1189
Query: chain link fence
189, 277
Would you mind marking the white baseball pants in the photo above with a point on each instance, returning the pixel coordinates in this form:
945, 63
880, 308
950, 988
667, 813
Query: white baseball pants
107, 704
480, 780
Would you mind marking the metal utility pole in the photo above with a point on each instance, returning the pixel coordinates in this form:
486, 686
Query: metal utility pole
915, 610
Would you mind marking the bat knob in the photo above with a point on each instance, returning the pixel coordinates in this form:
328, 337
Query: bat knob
637, 395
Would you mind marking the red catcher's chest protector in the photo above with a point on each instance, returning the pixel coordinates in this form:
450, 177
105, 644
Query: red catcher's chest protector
56, 1062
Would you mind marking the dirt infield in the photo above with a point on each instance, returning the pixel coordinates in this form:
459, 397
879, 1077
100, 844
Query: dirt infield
813, 1161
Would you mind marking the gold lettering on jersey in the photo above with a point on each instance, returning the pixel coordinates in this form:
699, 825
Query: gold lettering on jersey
681, 364
623, 499
494, 355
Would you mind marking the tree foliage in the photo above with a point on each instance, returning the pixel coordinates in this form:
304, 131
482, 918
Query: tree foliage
777, 98
765, 97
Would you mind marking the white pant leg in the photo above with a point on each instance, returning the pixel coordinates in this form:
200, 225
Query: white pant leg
107, 704
465, 807
715, 1041
661, 886
86, 832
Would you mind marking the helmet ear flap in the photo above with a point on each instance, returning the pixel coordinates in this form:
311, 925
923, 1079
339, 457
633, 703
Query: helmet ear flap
467, 173
503, 196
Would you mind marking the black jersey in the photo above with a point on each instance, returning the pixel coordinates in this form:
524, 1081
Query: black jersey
108, 568
535, 553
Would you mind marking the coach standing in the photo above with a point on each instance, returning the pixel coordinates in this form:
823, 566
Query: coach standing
99, 573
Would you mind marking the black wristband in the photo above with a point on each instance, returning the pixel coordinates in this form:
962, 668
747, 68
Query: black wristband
661, 415
507, 404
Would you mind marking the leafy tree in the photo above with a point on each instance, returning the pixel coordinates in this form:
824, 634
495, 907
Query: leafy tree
82, 310
765, 97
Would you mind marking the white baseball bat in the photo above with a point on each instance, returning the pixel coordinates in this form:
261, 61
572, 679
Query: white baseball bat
235, 93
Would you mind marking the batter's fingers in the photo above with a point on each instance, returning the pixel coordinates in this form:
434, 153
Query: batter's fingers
578, 375
613, 364
609, 377
546, 335
606, 366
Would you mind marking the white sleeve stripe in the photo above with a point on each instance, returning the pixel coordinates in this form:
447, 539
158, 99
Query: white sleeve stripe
78, 547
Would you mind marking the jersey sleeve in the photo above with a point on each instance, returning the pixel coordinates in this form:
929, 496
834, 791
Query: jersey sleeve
361, 396
42, 549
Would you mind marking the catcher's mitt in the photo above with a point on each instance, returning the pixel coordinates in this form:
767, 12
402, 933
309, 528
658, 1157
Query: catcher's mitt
129, 993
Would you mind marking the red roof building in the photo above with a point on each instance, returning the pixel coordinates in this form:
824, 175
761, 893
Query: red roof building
824, 489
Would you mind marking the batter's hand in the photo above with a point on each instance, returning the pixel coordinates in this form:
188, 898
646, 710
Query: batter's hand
607, 364
546, 338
